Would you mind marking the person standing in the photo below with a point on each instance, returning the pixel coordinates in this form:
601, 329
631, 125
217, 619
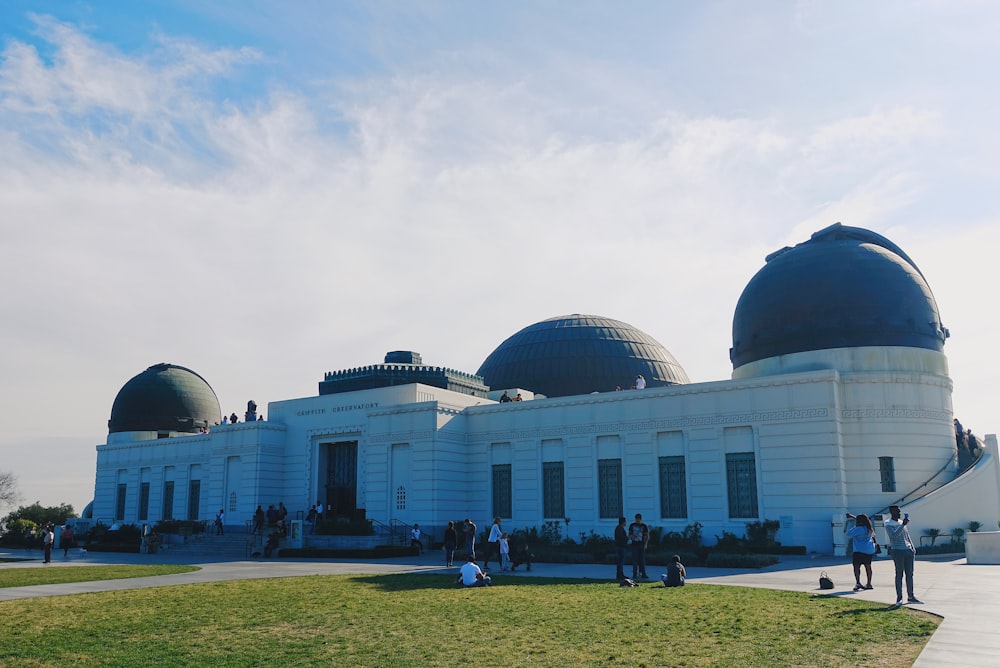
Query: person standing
48, 537
902, 553
505, 551
638, 533
621, 545
220, 522
450, 543
493, 543
862, 534
470, 539
640, 382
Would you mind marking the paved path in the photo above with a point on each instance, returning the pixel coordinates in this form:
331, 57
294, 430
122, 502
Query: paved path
967, 597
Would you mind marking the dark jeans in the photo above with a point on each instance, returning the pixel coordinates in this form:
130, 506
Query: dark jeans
449, 553
492, 550
638, 560
903, 560
620, 554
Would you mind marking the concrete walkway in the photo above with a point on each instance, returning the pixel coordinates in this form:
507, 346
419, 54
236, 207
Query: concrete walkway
967, 597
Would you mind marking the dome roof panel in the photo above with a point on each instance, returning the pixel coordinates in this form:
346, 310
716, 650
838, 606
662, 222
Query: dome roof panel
579, 354
165, 397
845, 287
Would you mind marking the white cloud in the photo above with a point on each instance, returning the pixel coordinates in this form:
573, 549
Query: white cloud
264, 241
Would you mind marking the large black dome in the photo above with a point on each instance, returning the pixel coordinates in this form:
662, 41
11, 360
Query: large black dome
845, 287
579, 354
165, 397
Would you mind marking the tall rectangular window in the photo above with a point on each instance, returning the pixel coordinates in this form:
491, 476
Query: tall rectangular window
553, 497
673, 487
168, 500
887, 473
143, 501
609, 488
120, 502
741, 478
194, 499
502, 491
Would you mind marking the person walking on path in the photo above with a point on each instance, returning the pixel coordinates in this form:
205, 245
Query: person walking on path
902, 553
621, 545
493, 543
450, 543
862, 534
638, 533
67, 540
470, 538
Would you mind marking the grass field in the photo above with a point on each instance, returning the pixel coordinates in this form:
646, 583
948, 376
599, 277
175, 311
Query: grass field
29, 577
424, 620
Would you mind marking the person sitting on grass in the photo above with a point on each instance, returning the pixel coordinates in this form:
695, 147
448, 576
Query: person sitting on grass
676, 574
472, 576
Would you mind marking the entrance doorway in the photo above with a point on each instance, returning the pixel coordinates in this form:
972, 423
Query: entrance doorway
339, 467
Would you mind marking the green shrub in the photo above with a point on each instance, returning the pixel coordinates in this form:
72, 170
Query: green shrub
345, 528
17, 532
126, 538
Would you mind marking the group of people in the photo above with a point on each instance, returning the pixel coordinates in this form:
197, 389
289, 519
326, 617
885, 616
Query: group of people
498, 548
506, 398
864, 542
273, 518
249, 416
964, 438
638, 384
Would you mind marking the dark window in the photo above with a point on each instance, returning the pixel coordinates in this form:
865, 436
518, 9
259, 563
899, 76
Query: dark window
194, 499
673, 487
609, 487
120, 502
168, 500
502, 506
401, 498
741, 477
143, 500
887, 473
552, 490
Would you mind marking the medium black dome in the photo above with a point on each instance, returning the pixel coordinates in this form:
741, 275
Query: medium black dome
579, 354
845, 287
165, 397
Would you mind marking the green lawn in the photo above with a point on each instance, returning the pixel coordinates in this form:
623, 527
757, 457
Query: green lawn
424, 620
29, 577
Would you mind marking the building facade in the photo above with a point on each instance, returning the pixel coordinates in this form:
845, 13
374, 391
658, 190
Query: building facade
840, 401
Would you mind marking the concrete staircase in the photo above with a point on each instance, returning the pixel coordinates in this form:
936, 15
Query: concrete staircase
230, 547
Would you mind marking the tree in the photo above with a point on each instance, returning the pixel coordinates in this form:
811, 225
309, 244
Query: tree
42, 515
9, 493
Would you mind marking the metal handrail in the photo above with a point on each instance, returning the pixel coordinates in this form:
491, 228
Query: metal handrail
926, 482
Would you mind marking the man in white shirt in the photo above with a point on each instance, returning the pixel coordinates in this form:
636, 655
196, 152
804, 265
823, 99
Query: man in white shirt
472, 576
640, 382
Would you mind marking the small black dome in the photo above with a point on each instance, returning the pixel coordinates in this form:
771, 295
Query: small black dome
579, 354
845, 287
165, 397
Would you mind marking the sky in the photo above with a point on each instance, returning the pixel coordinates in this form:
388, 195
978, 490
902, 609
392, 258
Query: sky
263, 192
